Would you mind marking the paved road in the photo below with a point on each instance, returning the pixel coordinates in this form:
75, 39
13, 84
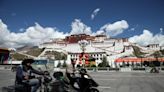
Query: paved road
112, 81
129, 82
6, 78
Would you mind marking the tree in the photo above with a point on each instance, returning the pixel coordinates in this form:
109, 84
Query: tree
104, 62
162, 52
59, 64
156, 55
64, 64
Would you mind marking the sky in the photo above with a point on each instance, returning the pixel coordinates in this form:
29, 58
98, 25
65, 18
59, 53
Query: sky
31, 22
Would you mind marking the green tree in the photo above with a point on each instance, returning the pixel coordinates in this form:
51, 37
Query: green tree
64, 64
157, 54
93, 66
104, 62
162, 52
59, 64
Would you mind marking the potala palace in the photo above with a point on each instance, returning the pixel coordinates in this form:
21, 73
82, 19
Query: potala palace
97, 47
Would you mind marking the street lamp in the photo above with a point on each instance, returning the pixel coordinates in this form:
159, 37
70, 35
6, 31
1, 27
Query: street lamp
83, 44
11, 50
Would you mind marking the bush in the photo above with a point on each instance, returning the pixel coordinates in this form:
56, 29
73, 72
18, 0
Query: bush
90, 68
93, 65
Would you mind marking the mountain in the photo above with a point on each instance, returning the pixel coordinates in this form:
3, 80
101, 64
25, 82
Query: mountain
26, 48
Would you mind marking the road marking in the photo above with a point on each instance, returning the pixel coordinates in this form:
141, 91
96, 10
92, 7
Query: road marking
104, 87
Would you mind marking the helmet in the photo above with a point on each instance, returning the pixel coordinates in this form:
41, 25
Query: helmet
25, 61
83, 71
58, 75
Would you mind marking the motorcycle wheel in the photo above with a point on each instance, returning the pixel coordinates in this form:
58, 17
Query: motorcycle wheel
94, 90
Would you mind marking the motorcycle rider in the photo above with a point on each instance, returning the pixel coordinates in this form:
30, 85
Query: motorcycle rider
84, 81
70, 72
24, 74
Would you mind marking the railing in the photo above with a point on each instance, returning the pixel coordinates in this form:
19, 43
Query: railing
122, 69
102, 69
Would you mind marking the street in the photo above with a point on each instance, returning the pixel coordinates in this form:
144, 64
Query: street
129, 82
111, 81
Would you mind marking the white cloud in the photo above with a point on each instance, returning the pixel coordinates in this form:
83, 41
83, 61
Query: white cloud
99, 32
95, 12
115, 28
148, 38
4, 32
133, 28
22, 29
32, 35
161, 30
79, 27
36, 34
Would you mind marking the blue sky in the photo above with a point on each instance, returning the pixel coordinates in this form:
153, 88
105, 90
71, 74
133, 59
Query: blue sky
140, 15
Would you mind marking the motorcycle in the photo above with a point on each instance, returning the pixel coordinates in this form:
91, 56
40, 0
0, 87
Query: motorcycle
45, 81
25, 87
154, 70
59, 84
82, 82
13, 68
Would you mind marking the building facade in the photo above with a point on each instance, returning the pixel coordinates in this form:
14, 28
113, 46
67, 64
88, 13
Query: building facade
97, 47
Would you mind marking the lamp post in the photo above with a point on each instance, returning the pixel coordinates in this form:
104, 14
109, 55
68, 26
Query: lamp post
83, 44
11, 50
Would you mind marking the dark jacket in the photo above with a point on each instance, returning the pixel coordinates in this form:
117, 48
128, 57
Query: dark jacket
22, 70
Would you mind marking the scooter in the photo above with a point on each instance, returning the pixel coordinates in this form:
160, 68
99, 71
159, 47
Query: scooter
84, 82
